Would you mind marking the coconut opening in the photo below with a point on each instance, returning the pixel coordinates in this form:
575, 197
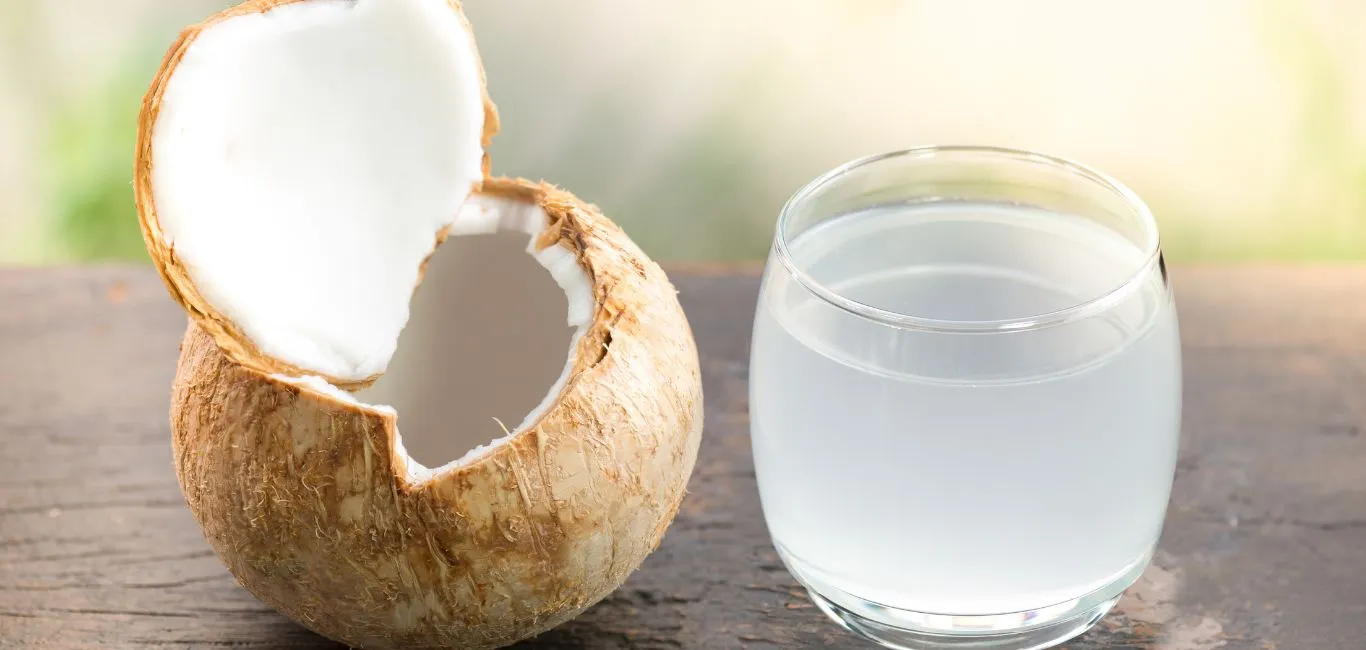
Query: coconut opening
303, 161
481, 359
477, 356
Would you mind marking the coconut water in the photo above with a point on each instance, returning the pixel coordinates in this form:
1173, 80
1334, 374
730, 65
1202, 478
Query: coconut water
997, 452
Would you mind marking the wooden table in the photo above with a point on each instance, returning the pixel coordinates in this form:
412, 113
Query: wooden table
1265, 545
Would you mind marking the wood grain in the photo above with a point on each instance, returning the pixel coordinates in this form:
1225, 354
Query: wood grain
1265, 545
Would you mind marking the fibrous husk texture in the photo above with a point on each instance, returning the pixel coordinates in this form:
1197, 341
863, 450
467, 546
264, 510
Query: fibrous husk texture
309, 502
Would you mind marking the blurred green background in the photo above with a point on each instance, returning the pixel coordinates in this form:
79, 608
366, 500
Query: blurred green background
1242, 122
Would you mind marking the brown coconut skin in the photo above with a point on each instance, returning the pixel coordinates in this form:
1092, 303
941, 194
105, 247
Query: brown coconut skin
306, 500
231, 338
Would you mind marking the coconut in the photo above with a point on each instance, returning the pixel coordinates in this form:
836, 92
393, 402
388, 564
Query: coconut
300, 164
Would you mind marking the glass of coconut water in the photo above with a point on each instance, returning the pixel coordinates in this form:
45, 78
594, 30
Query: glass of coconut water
965, 396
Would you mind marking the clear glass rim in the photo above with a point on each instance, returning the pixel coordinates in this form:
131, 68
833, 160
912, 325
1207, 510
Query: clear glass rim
1152, 253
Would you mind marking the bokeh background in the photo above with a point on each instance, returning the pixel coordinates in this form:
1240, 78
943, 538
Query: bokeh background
1243, 122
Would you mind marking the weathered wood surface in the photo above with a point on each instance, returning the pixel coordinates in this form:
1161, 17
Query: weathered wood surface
1265, 545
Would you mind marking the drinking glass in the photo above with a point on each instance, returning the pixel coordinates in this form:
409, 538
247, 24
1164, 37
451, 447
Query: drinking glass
965, 396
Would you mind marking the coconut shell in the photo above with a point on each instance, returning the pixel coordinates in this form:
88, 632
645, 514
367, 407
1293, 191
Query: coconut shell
307, 500
229, 336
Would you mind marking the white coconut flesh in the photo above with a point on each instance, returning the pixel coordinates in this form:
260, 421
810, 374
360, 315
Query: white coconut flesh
305, 162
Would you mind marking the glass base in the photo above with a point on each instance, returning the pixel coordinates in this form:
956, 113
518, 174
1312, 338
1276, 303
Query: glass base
901, 629
1033, 638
